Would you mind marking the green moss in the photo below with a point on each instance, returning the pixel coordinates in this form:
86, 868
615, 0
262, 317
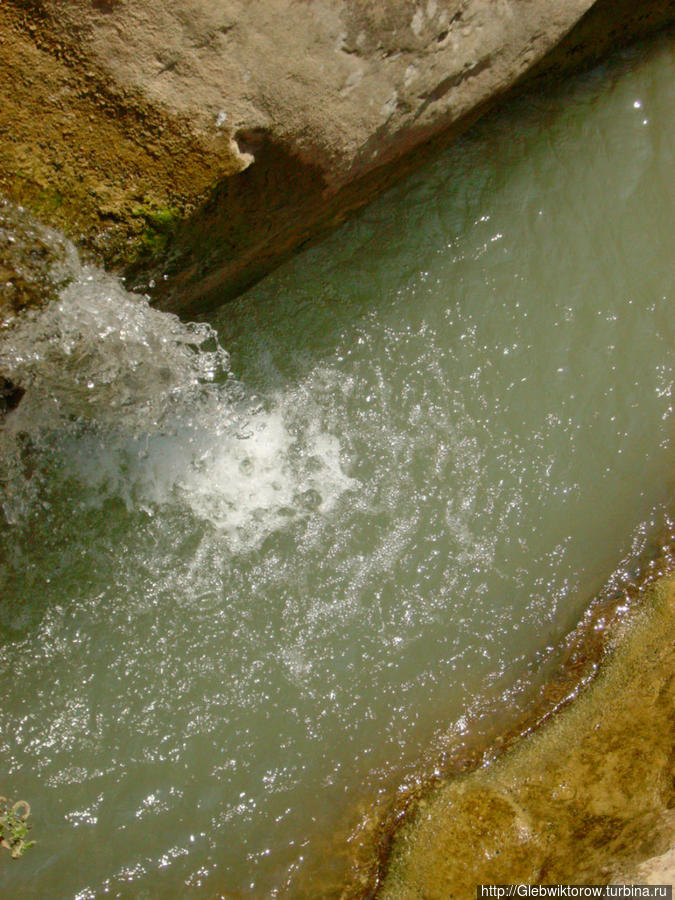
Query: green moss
163, 220
48, 201
159, 225
44, 200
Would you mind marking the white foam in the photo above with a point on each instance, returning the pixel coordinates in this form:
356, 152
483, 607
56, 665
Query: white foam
249, 486
143, 407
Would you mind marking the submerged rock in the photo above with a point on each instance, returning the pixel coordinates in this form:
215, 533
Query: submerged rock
10, 395
35, 262
200, 143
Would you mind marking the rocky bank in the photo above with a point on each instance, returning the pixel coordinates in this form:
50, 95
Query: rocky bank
588, 799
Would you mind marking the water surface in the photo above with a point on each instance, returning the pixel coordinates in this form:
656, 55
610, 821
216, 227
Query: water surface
240, 594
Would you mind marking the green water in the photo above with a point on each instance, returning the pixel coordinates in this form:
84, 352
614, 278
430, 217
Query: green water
240, 595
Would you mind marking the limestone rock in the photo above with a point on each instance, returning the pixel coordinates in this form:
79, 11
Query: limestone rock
658, 869
344, 85
587, 799
203, 141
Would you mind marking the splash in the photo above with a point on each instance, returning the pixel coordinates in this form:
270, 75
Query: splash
135, 404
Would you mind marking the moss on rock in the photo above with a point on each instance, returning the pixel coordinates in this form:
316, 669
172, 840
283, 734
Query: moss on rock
90, 157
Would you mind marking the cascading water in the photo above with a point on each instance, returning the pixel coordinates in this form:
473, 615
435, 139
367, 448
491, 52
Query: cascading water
143, 408
235, 606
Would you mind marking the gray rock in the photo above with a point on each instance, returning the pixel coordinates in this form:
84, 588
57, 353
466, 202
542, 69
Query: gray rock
291, 115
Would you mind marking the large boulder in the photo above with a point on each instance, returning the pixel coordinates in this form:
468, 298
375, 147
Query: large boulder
197, 143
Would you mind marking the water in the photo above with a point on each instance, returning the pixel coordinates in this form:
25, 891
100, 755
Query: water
242, 591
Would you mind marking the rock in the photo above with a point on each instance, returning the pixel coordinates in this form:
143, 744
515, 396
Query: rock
35, 264
657, 870
10, 396
199, 143
586, 799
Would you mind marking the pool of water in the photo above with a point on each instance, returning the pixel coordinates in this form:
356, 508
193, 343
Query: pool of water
242, 589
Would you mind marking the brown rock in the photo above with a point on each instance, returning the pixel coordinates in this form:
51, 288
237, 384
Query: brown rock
35, 263
588, 799
206, 140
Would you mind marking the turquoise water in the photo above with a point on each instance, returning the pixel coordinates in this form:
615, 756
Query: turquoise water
242, 591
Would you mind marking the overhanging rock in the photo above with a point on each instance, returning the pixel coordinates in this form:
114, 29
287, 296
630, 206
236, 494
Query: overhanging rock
198, 143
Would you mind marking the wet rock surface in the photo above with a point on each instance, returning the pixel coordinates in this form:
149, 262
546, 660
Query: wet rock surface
10, 395
33, 262
586, 800
34, 267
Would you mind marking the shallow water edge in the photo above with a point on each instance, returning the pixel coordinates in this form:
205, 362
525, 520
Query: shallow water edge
578, 789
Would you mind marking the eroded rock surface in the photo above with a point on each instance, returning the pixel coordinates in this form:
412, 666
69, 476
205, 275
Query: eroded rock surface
586, 800
345, 85
201, 142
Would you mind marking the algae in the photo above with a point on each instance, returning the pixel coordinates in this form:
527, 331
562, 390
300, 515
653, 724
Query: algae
160, 223
14, 827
